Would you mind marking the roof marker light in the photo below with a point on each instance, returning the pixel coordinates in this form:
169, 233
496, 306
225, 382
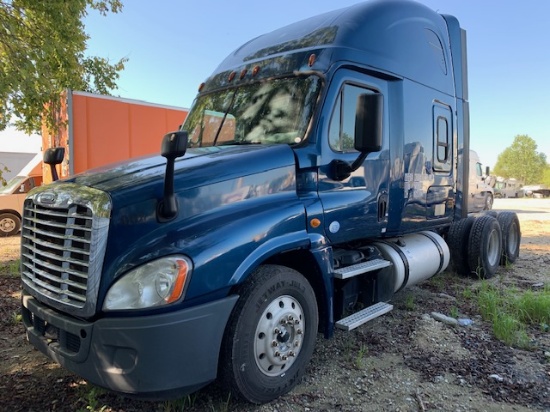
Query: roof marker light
311, 60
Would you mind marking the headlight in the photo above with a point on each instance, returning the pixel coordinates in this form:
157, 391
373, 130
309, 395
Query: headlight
156, 283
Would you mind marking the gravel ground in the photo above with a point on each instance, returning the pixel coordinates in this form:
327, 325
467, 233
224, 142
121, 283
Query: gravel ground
403, 361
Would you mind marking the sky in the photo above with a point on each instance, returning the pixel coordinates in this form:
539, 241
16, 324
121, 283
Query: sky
173, 46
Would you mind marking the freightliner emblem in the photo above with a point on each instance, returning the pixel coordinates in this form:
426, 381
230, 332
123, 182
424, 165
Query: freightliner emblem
47, 198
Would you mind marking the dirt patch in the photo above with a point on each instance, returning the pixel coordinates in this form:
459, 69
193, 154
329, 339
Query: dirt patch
403, 361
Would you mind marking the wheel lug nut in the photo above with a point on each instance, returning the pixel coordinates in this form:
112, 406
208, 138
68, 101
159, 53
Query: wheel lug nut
299, 331
291, 353
276, 331
278, 354
274, 344
296, 321
296, 343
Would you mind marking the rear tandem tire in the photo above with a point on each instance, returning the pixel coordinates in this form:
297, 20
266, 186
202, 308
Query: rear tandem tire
457, 239
511, 237
270, 336
484, 247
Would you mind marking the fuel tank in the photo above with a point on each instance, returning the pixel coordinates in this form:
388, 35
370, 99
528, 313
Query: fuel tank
414, 257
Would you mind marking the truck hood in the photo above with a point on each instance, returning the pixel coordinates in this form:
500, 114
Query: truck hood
199, 167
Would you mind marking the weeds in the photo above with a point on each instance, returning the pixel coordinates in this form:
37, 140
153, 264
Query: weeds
181, 404
454, 312
534, 307
16, 318
361, 353
511, 312
467, 293
409, 303
223, 406
437, 281
92, 401
11, 268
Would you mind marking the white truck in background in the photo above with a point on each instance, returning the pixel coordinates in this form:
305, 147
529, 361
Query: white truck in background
481, 186
505, 188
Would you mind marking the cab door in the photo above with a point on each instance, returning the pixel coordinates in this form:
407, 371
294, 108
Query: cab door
355, 206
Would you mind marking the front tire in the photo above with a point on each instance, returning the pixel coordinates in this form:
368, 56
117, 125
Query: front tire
488, 202
9, 224
271, 334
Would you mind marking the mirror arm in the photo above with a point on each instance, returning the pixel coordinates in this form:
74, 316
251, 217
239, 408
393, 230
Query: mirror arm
341, 169
173, 145
359, 161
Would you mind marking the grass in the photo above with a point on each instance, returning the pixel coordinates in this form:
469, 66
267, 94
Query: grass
409, 302
181, 404
361, 353
512, 312
10, 268
93, 404
454, 312
16, 318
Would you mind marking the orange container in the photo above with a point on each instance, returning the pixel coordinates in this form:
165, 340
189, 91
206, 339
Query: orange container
103, 129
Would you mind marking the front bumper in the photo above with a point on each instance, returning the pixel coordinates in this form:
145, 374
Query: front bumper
156, 356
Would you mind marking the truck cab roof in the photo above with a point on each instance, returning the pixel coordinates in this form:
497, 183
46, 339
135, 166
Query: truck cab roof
397, 37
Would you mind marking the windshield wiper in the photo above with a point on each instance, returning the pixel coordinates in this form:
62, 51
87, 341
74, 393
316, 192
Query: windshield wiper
224, 117
237, 143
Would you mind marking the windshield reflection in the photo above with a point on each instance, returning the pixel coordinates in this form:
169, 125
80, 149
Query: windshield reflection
274, 111
12, 184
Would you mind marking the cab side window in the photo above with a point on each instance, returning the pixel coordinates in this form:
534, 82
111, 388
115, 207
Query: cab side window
342, 123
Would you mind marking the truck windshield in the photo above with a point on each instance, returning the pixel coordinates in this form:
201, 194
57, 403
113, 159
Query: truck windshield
272, 111
12, 184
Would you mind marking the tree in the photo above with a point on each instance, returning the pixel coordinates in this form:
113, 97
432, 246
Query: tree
521, 161
42, 53
546, 176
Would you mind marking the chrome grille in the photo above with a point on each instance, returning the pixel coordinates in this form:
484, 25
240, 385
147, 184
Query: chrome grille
55, 251
63, 241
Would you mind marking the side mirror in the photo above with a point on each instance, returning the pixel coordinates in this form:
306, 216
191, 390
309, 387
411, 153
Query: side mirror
54, 156
368, 122
368, 133
173, 145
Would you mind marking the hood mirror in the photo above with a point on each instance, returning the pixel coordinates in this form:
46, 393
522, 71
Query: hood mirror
173, 145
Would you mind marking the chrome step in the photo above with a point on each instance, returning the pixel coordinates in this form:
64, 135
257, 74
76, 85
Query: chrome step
363, 316
360, 268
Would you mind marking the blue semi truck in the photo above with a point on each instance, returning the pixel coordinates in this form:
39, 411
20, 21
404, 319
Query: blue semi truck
315, 176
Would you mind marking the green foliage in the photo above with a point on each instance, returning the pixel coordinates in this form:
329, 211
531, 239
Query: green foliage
361, 354
93, 404
521, 161
181, 404
3, 169
409, 302
511, 312
454, 312
42, 53
534, 307
546, 176
10, 268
